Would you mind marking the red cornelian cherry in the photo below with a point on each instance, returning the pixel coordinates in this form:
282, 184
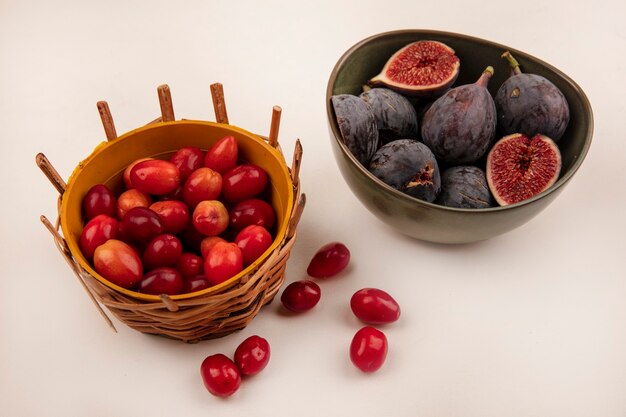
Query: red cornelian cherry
163, 280
97, 231
220, 375
300, 296
243, 182
163, 250
195, 283
222, 156
142, 224
252, 211
174, 215
189, 264
253, 242
329, 260
223, 261
252, 355
119, 263
99, 200
374, 306
155, 176
368, 349
187, 160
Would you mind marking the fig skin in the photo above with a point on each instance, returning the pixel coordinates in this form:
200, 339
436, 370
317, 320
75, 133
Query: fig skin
357, 125
530, 104
395, 116
520, 167
423, 69
408, 166
460, 126
464, 186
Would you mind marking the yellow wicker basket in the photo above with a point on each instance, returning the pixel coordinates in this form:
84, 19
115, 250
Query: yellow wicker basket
215, 311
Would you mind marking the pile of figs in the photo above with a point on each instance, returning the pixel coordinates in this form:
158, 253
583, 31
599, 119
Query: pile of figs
456, 146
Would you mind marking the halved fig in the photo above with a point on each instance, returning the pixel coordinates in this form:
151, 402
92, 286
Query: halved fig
421, 69
519, 167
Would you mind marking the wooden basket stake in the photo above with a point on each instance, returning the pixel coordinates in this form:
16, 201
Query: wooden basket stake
107, 120
295, 218
62, 246
219, 105
165, 100
295, 163
274, 126
50, 172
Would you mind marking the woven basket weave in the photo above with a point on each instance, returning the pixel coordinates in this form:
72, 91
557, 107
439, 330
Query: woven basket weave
211, 313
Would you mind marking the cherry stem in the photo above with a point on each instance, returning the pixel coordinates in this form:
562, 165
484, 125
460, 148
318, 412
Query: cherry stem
512, 62
485, 77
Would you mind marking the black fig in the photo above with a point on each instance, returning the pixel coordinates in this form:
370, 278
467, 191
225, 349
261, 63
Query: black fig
530, 104
421, 69
357, 125
395, 116
460, 125
520, 167
409, 166
464, 186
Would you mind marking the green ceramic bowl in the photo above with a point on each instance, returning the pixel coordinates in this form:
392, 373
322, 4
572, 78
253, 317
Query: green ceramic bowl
432, 222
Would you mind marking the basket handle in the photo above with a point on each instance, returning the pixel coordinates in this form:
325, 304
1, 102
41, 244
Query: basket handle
67, 255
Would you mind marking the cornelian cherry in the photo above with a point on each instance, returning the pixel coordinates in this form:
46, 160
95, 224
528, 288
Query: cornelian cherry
142, 224
220, 375
252, 355
99, 200
162, 280
329, 260
174, 215
155, 176
187, 160
223, 261
368, 349
195, 283
252, 211
243, 182
374, 306
253, 241
162, 250
222, 156
300, 296
97, 231
189, 264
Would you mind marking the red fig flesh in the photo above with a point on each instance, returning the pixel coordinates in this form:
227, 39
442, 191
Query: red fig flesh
421, 69
519, 167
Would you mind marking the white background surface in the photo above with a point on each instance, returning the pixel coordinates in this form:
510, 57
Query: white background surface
532, 323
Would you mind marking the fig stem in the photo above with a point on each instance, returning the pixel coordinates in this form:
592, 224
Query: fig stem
512, 62
485, 77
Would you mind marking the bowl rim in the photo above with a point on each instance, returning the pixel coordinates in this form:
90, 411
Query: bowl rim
331, 120
281, 230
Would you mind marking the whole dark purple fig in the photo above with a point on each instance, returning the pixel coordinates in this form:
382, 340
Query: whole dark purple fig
357, 125
464, 186
409, 166
395, 116
461, 124
530, 104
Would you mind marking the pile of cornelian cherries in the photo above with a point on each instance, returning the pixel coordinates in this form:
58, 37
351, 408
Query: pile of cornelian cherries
179, 225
